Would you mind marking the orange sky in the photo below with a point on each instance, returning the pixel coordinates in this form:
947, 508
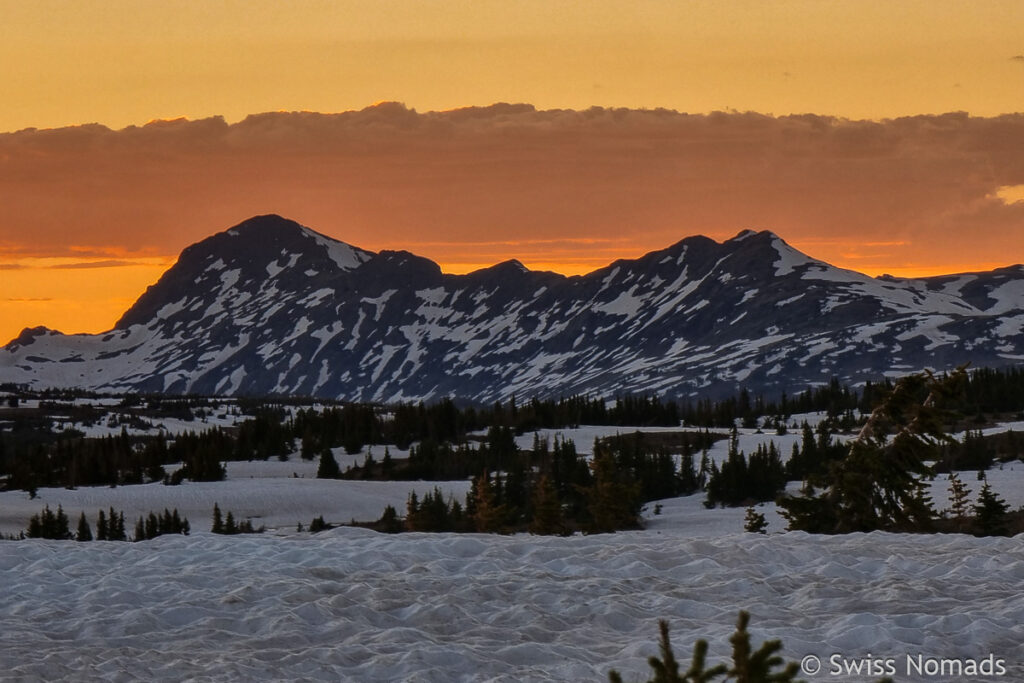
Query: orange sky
93, 214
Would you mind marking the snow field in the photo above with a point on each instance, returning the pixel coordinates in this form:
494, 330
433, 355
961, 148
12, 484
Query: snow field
277, 502
350, 604
353, 605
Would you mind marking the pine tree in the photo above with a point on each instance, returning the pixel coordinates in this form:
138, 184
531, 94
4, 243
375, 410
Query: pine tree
666, 669
748, 666
488, 515
114, 526
84, 532
218, 522
48, 524
547, 509
61, 528
328, 467
756, 666
959, 495
881, 482
389, 522
755, 522
229, 524
101, 527
35, 527
688, 480
613, 500
990, 511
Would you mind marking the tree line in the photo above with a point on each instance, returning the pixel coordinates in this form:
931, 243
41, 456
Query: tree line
110, 526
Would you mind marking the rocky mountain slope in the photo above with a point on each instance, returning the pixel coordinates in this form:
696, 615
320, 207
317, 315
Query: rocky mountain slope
270, 306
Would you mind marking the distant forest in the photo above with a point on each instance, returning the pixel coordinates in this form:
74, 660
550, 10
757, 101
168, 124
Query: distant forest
34, 454
447, 442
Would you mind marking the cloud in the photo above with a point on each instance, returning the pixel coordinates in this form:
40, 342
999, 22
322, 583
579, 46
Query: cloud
61, 262
21, 300
507, 178
110, 263
1017, 58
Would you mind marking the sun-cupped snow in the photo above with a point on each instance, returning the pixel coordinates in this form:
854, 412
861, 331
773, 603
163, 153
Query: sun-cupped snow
351, 604
697, 317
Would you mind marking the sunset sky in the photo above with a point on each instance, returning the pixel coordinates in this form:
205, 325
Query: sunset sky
137, 128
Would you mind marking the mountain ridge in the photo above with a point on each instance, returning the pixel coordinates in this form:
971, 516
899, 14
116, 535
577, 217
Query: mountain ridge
270, 306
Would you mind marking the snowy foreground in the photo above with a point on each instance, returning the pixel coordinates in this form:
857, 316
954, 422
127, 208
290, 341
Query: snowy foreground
350, 604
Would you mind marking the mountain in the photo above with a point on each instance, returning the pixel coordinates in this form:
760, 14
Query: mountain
270, 306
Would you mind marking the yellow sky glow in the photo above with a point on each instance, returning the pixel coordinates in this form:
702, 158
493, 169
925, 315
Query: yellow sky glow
123, 62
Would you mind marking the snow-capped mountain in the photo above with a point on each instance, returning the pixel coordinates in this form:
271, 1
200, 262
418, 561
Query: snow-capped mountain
270, 306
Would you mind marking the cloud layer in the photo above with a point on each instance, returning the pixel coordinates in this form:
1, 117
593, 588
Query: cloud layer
477, 185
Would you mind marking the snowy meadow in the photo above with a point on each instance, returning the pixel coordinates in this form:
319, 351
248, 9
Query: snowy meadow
351, 604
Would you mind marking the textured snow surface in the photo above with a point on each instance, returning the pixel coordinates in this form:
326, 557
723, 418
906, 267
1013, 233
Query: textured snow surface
354, 605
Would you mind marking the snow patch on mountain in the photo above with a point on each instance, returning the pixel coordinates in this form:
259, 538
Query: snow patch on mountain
789, 259
751, 309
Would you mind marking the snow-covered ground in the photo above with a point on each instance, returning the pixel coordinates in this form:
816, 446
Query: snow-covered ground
354, 605
350, 604
278, 502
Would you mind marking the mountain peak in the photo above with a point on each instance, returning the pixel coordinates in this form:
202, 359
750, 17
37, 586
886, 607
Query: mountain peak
507, 267
742, 235
28, 335
257, 251
270, 236
267, 223
272, 307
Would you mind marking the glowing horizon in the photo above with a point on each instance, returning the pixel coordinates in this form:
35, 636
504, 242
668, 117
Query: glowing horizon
825, 122
87, 311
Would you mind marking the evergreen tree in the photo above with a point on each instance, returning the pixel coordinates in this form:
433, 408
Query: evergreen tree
689, 481
101, 527
48, 524
990, 511
84, 532
613, 500
35, 527
218, 521
229, 524
328, 468
880, 484
547, 509
308, 449
412, 507
666, 669
959, 494
748, 665
389, 522
755, 522
61, 524
488, 514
